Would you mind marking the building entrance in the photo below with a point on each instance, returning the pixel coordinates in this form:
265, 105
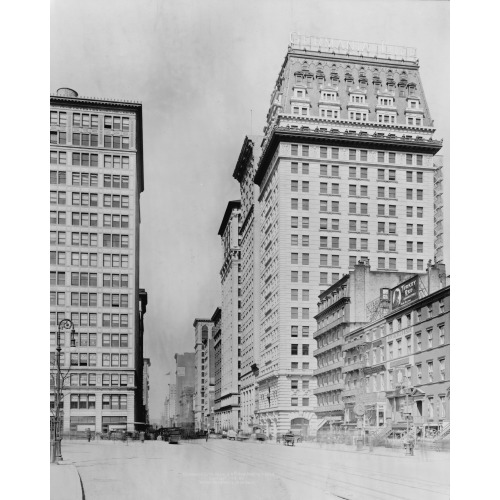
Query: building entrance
300, 425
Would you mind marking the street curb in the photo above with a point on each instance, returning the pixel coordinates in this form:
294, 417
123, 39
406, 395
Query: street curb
66, 483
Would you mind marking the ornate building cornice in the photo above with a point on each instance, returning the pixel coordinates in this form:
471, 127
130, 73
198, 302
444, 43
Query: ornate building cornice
342, 139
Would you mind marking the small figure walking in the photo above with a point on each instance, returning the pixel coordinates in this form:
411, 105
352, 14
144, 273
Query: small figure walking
206, 440
88, 435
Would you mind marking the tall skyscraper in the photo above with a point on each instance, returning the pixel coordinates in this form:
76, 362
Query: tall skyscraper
249, 232
183, 390
204, 385
230, 363
346, 173
96, 177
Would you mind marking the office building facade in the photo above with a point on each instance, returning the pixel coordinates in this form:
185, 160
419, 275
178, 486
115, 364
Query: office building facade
96, 177
346, 173
249, 232
230, 361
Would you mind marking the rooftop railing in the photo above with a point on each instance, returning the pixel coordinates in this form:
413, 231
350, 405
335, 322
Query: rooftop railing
353, 48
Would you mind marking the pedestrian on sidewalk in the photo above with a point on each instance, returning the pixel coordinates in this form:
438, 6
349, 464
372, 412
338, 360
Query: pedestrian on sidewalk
206, 441
88, 434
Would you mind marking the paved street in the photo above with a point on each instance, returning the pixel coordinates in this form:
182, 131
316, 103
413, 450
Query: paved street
248, 470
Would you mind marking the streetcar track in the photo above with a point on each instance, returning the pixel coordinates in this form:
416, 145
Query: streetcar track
317, 478
424, 484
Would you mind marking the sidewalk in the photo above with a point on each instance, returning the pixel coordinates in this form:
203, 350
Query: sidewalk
65, 482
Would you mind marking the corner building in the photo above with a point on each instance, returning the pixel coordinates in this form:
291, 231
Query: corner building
96, 178
346, 173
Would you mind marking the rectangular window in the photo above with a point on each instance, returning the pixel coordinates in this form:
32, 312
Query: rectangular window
295, 167
441, 334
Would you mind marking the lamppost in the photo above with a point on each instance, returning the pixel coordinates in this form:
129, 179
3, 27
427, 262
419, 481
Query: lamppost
64, 324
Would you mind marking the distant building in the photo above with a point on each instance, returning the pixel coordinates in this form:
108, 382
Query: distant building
182, 391
204, 387
249, 233
230, 273
145, 389
217, 336
142, 383
96, 179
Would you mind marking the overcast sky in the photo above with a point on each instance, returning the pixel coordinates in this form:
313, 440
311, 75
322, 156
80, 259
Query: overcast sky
199, 67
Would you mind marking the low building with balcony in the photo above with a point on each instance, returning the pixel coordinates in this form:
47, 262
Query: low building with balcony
404, 371
342, 312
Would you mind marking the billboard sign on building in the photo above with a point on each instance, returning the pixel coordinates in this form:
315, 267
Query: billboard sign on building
404, 293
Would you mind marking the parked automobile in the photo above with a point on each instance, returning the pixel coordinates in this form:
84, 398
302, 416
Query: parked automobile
231, 435
260, 436
224, 434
